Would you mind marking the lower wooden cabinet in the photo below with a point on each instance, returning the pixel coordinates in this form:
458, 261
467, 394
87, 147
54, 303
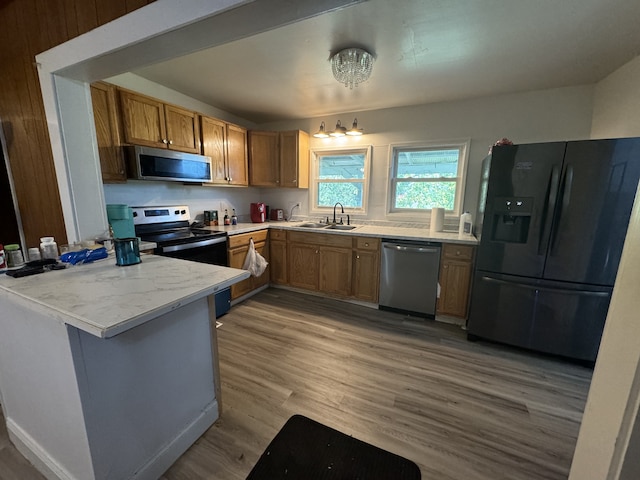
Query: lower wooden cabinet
278, 257
456, 269
338, 265
366, 269
238, 249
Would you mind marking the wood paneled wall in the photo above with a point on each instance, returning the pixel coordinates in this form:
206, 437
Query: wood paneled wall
27, 28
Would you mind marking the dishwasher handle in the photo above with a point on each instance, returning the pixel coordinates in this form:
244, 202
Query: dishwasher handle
404, 248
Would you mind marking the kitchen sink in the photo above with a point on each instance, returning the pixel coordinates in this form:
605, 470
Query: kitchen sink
341, 227
313, 225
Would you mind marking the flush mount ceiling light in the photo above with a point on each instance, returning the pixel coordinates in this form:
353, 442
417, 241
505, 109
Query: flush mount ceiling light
352, 66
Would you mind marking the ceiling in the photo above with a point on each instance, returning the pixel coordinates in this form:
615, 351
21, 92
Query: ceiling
426, 51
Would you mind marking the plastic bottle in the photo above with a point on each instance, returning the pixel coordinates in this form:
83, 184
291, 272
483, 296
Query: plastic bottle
234, 218
466, 224
34, 254
14, 256
49, 248
227, 220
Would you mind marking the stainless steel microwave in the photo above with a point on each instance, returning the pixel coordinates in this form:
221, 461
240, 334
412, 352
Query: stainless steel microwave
147, 163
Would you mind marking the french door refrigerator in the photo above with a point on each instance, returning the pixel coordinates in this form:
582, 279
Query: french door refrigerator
552, 221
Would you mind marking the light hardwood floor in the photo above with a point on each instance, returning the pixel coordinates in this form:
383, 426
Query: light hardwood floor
415, 387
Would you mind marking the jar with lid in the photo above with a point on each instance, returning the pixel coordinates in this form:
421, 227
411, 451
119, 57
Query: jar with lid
14, 255
49, 248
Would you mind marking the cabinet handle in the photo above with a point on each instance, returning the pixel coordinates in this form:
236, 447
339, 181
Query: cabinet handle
170, 142
230, 179
165, 141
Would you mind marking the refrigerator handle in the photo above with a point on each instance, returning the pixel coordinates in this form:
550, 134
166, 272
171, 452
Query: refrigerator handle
552, 193
565, 201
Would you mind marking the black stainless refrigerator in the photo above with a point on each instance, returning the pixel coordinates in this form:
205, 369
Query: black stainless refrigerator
552, 221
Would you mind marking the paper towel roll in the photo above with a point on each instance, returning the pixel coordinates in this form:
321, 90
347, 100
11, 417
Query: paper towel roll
437, 219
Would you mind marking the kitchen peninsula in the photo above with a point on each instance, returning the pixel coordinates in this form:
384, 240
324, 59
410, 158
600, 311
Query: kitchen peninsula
110, 372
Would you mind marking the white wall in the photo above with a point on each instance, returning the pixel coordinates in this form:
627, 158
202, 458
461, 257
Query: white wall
616, 109
612, 406
542, 116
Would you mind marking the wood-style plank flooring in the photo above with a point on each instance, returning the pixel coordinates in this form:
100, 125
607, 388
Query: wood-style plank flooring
415, 387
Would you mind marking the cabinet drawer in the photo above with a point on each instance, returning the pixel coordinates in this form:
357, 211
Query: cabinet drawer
457, 252
326, 239
277, 234
241, 240
366, 243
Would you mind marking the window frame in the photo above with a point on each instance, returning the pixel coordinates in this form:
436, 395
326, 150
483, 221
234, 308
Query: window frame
314, 180
463, 145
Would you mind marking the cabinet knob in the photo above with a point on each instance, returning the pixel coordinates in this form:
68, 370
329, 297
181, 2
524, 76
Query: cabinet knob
358, 256
165, 141
170, 142
366, 244
230, 179
445, 266
458, 252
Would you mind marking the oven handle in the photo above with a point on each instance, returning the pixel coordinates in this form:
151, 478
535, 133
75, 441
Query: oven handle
189, 246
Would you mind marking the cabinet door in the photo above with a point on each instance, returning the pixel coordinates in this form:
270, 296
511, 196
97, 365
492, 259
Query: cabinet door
263, 159
183, 129
366, 275
237, 158
263, 249
106, 118
303, 266
294, 159
455, 278
143, 120
214, 139
335, 271
278, 262
236, 260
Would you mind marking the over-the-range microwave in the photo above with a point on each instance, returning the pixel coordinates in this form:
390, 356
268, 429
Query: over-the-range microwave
148, 163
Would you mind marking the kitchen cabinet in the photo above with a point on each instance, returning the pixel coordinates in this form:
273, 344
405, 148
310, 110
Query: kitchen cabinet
278, 256
226, 144
456, 269
106, 116
366, 268
237, 252
150, 122
279, 159
323, 263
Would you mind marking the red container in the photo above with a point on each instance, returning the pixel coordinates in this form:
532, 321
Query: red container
258, 212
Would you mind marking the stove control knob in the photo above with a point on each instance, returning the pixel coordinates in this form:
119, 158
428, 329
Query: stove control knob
183, 212
177, 212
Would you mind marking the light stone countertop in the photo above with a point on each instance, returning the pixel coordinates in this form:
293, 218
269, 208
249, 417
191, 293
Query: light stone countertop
104, 299
390, 232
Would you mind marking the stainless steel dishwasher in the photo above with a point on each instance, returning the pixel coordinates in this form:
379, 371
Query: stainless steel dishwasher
409, 276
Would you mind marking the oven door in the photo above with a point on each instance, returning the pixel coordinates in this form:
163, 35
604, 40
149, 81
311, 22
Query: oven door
210, 250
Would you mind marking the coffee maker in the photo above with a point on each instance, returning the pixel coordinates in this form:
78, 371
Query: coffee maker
258, 212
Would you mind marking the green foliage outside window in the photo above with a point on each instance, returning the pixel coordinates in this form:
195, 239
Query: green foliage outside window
425, 195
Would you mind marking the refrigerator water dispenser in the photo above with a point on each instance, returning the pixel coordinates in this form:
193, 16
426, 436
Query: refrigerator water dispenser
511, 219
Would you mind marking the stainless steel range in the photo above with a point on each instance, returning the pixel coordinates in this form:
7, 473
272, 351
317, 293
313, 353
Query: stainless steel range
169, 227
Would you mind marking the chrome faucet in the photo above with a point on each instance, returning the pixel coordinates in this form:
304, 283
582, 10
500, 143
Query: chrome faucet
334, 212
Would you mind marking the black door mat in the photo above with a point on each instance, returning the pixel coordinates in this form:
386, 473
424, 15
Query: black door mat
306, 449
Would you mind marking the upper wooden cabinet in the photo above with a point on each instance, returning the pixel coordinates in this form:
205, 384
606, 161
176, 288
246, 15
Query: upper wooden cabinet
226, 144
279, 159
106, 116
150, 122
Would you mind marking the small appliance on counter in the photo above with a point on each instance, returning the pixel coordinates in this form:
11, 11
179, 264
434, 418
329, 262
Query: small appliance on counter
277, 214
258, 212
121, 220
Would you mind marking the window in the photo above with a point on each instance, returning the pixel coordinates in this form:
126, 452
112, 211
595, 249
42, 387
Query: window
428, 176
340, 175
